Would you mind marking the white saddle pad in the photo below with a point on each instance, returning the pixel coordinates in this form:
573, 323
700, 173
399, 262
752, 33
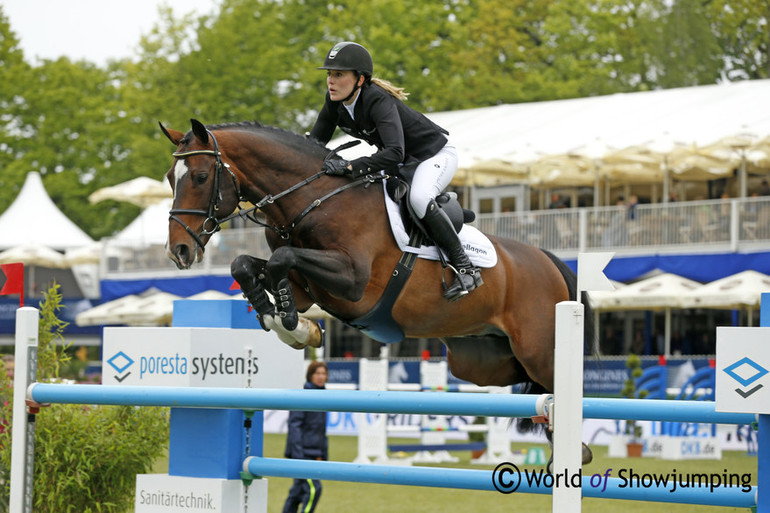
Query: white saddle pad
477, 245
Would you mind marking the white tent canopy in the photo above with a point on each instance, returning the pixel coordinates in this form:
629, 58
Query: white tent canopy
741, 290
33, 218
656, 293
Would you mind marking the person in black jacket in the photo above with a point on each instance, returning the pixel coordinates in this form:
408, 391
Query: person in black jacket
307, 441
372, 109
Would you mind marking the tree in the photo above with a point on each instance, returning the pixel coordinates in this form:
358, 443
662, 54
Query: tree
742, 28
14, 76
85, 127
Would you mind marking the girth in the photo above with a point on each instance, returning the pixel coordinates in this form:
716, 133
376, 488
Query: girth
378, 323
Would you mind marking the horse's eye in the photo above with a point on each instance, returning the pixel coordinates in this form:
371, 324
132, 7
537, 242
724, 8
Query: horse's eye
201, 178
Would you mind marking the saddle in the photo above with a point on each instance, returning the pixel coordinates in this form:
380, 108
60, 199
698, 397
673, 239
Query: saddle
398, 190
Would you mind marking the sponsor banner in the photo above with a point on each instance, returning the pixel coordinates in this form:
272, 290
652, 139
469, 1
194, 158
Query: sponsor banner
743, 370
601, 377
161, 493
595, 431
199, 357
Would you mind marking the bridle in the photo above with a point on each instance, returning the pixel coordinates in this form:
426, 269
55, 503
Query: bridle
216, 195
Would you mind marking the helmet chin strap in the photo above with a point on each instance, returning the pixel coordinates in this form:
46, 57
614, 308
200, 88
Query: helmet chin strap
355, 88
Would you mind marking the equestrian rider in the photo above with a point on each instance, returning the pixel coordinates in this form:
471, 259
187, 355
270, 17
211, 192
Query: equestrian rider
372, 109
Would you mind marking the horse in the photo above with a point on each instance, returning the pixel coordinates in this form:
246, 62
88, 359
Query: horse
332, 245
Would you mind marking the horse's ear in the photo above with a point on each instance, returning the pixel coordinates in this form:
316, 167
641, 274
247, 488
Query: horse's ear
172, 135
199, 129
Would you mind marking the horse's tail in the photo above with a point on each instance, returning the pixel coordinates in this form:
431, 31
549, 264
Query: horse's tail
570, 278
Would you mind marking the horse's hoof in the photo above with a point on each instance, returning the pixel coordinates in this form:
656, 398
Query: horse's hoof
315, 336
588, 456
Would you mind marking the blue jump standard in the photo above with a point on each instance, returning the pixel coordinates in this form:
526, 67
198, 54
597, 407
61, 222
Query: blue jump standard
616, 488
486, 405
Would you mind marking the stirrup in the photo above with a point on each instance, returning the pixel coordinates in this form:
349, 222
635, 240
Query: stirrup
466, 280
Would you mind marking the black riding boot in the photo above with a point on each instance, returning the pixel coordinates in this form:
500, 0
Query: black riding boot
440, 229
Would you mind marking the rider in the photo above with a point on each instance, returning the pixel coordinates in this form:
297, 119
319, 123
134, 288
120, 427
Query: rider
372, 109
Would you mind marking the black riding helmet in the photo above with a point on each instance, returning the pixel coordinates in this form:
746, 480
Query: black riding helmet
349, 56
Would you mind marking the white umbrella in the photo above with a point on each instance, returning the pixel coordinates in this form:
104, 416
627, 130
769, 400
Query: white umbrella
656, 293
33, 254
738, 291
155, 309
142, 191
107, 313
89, 254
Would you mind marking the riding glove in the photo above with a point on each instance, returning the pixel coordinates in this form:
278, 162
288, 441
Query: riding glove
336, 167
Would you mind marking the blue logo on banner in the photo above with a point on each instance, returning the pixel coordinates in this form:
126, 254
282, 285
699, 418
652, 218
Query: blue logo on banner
120, 361
752, 365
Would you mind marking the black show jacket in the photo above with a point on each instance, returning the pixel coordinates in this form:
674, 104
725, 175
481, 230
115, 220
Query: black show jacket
384, 121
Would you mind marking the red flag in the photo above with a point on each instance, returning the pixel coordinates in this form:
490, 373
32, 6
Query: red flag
14, 280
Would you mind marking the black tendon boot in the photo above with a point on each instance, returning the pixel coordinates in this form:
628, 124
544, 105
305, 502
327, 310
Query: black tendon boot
440, 229
249, 273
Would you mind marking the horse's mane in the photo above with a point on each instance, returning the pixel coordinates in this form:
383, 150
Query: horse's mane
291, 139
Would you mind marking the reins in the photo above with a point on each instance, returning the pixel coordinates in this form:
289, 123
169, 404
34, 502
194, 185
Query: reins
216, 196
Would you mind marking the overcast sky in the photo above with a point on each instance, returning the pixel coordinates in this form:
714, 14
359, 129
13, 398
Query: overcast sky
95, 30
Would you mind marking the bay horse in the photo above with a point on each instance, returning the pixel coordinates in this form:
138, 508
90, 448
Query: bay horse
332, 245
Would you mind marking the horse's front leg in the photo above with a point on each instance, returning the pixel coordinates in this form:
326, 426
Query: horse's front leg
334, 270
251, 275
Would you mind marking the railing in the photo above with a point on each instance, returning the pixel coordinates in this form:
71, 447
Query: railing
693, 226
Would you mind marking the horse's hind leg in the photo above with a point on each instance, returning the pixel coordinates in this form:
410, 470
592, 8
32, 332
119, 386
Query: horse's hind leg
484, 360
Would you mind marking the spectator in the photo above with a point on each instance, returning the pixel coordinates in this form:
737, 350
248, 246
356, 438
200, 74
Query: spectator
633, 201
556, 201
764, 188
307, 441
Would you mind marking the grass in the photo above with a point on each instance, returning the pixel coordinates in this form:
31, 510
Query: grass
373, 498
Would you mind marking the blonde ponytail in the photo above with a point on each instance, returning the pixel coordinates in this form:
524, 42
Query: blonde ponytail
398, 92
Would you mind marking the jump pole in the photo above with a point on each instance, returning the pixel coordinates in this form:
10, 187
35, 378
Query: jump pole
495, 405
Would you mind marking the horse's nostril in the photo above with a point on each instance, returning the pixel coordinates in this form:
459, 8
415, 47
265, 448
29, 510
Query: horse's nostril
182, 252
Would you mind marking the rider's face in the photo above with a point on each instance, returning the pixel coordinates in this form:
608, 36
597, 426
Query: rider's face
340, 83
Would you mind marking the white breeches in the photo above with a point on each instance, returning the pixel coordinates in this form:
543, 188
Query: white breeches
431, 177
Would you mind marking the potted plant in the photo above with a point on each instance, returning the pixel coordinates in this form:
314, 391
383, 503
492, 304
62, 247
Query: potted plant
634, 430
